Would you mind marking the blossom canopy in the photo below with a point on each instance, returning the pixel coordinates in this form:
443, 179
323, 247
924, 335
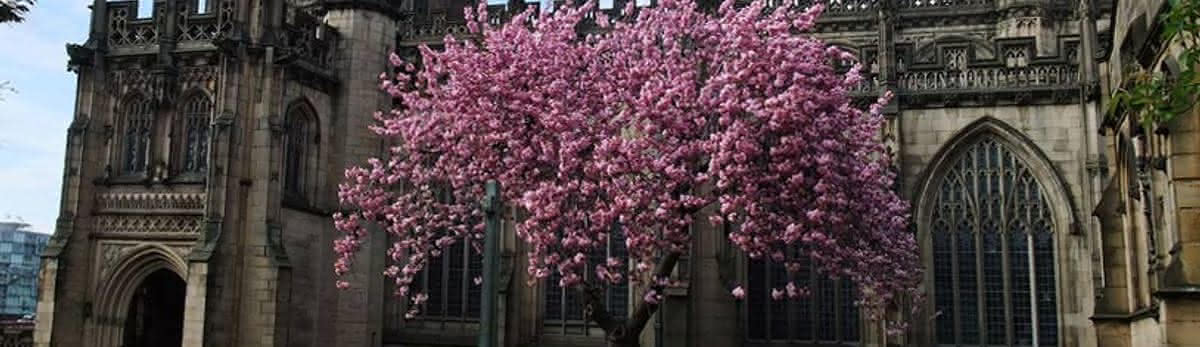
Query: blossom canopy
656, 125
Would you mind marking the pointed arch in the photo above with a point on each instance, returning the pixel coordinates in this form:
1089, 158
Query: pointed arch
991, 212
114, 294
1039, 164
136, 124
195, 115
301, 129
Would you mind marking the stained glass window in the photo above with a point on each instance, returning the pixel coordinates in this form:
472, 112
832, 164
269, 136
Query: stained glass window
993, 257
196, 112
137, 131
564, 313
827, 316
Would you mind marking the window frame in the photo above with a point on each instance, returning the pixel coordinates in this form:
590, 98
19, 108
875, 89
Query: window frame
815, 282
298, 172
582, 331
196, 105
148, 121
1024, 157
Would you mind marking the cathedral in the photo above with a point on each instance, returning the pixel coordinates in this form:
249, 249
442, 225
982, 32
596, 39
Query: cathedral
209, 137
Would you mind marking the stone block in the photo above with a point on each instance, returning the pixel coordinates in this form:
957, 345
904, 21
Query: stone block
1185, 165
1189, 224
1182, 333
1187, 194
1185, 142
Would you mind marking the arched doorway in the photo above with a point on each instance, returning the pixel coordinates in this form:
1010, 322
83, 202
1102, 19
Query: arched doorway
154, 317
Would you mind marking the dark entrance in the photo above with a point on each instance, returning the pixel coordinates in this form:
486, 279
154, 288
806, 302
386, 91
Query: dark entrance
155, 317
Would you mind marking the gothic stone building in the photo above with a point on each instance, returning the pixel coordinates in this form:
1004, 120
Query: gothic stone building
209, 136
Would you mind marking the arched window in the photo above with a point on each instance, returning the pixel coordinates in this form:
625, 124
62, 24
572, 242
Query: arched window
197, 110
993, 252
137, 128
300, 138
827, 316
564, 311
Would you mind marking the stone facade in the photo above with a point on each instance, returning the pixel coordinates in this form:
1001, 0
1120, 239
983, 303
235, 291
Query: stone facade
1148, 205
289, 88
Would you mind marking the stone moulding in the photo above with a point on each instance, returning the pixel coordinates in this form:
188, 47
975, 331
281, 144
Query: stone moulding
149, 226
151, 203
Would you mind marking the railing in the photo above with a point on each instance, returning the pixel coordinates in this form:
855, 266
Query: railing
125, 30
197, 26
436, 26
1037, 76
936, 4
841, 7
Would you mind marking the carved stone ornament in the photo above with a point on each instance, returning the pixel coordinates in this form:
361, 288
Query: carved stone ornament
110, 255
149, 225
116, 202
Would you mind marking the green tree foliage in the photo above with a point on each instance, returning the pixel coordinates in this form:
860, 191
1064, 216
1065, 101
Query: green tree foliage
1157, 98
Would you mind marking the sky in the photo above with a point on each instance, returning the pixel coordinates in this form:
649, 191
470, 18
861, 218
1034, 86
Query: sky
34, 118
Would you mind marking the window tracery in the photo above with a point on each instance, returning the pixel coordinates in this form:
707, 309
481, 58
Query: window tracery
993, 258
196, 116
137, 129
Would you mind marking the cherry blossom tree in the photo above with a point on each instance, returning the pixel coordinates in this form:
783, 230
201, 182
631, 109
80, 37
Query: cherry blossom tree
634, 125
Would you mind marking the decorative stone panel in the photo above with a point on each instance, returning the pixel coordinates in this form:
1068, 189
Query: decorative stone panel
149, 226
172, 203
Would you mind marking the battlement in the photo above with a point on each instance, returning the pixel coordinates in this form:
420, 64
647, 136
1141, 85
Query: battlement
302, 36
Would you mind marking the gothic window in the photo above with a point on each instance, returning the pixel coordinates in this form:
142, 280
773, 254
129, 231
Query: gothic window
827, 316
197, 110
300, 139
993, 253
137, 129
564, 311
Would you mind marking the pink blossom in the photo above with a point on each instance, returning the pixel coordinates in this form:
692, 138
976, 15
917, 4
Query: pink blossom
620, 134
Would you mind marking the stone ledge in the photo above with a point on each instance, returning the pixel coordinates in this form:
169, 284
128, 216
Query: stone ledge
1147, 312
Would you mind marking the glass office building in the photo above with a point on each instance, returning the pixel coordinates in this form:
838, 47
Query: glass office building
20, 259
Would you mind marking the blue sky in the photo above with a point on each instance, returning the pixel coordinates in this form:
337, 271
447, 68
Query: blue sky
34, 119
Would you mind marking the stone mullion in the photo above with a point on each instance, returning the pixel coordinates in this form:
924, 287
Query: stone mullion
1006, 202
954, 287
977, 235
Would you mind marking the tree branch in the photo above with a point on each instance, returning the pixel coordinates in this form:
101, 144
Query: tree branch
641, 315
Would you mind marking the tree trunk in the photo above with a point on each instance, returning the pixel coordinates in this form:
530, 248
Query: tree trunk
625, 332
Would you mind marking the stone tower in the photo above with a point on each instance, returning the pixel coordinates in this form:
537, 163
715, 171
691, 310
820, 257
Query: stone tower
204, 155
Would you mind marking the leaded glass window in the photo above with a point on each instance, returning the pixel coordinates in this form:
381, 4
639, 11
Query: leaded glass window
564, 311
449, 280
137, 129
993, 257
827, 316
196, 112
300, 136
